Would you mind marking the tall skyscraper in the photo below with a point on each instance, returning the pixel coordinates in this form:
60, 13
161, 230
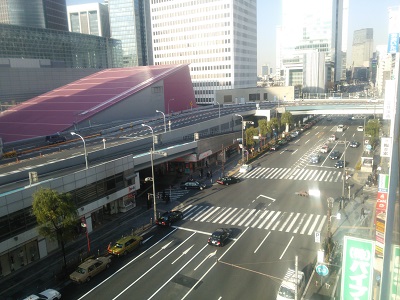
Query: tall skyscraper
217, 38
363, 47
49, 14
91, 18
128, 23
311, 26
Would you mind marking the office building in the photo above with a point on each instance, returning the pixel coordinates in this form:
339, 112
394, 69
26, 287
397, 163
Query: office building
129, 21
218, 40
311, 26
91, 18
50, 14
362, 48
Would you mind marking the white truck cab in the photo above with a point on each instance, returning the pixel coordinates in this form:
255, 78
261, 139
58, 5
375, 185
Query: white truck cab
289, 285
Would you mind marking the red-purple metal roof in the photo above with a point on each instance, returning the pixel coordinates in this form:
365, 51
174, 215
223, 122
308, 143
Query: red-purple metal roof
57, 110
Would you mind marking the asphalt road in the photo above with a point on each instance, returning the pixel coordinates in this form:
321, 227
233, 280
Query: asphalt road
269, 224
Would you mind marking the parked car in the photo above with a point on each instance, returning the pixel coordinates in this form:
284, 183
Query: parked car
193, 185
169, 217
219, 237
48, 294
245, 168
360, 128
354, 144
334, 155
227, 180
282, 142
324, 149
55, 138
274, 147
332, 138
314, 159
340, 164
90, 268
125, 245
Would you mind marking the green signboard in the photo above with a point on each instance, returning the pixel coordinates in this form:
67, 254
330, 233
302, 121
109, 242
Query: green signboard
358, 269
395, 280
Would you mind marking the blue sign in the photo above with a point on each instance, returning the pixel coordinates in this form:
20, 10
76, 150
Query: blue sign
393, 43
322, 270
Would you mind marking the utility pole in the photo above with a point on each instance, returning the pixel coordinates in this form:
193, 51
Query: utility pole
297, 277
344, 168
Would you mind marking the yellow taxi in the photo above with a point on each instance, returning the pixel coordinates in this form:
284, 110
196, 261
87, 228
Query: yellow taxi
125, 245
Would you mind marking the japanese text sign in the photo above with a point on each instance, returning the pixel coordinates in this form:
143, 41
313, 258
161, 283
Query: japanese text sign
358, 263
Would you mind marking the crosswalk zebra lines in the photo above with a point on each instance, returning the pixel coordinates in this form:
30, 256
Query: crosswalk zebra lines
294, 174
297, 223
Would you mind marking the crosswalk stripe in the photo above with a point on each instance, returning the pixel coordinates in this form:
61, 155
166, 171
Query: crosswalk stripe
313, 225
284, 224
266, 218
209, 214
259, 219
294, 173
238, 218
306, 225
322, 175
221, 215
308, 175
234, 216
301, 222
279, 221
252, 211
321, 224
228, 215
291, 224
266, 170
252, 218
285, 173
273, 219
202, 212
338, 176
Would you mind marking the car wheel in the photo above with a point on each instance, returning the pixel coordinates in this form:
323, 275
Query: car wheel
107, 266
222, 244
88, 279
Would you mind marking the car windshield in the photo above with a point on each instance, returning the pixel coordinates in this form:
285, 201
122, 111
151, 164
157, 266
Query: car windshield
118, 245
285, 292
80, 270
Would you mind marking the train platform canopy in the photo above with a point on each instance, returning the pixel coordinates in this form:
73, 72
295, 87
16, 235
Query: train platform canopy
60, 109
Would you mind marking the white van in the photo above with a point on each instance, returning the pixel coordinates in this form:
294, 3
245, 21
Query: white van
289, 284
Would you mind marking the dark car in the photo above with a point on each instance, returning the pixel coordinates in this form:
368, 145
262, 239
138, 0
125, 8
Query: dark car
334, 155
227, 180
340, 164
354, 144
219, 237
282, 142
55, 138
194, 185
169, 217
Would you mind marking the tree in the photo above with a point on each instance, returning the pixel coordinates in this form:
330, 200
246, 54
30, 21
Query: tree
250, 132
287, 119
372, 128
56, 215
263, 125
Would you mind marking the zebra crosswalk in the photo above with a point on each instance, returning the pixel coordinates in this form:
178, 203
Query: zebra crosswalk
294, 174
297, 223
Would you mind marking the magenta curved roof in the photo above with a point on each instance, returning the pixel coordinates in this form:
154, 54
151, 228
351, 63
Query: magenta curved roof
56, 110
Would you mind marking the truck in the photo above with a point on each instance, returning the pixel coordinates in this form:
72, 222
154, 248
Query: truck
290, 283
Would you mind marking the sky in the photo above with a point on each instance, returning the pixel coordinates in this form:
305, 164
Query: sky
362, 14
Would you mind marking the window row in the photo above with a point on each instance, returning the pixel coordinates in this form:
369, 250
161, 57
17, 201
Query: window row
206, 18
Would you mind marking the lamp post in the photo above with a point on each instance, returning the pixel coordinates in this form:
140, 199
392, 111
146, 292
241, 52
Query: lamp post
168, 104
237, 115
152, 133
84, 147
219, 109
165, 124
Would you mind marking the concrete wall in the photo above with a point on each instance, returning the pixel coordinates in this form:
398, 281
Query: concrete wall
243, 95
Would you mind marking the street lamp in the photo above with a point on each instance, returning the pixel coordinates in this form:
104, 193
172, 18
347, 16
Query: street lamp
152, 133
165, 124
237, 115
219, 109
152, 152
168, 104
84, 147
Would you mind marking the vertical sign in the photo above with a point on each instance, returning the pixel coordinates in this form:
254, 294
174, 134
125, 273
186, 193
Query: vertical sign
358, 269
390, 99
395, 276
386, 149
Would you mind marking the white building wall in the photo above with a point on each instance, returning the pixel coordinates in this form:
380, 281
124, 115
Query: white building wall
217, 38
92, 17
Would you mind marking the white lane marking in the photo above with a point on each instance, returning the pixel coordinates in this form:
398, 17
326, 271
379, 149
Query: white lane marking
221, 215
266, 218
305, 225
294, 151
273, 219
313, 225
284, 224
228, 215
321, 224
273, 199
259, 218
283, 253
202, 277
262, 242
207, 257
161, 249
238, 218
291, 224
248, 216
183, 253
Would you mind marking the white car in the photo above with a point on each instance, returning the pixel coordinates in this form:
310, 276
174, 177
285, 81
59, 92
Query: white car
48, 294
340, 128
244, 168
360, 128
332, 138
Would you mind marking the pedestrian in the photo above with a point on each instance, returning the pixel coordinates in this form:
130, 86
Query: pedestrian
208, 174
211, 174
362, 213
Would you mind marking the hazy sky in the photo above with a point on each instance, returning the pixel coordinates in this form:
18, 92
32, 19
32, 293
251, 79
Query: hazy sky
362, 14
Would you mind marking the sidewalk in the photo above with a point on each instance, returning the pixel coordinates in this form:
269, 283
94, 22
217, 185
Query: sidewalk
351, 223
47, 272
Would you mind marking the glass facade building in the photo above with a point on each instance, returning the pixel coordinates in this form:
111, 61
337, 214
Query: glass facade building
50, 14
217, 38
128, 24
65, 49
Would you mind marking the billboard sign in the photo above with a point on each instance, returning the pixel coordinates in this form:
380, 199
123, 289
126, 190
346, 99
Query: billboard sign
393, 43
383, 183
395, 280
358, 269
